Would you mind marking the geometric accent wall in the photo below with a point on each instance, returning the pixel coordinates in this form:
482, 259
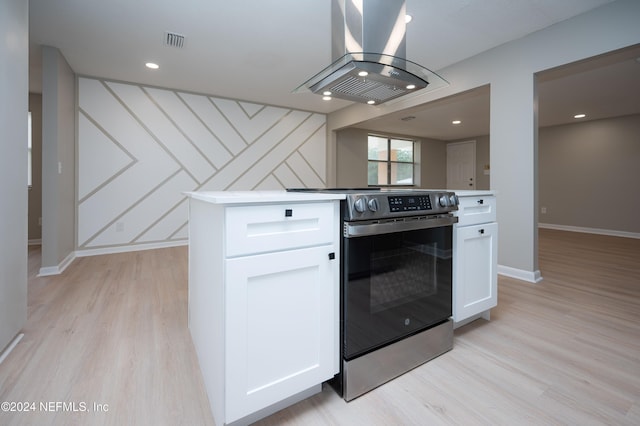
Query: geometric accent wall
140, 148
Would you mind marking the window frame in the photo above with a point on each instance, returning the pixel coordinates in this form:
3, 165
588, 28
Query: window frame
389, 162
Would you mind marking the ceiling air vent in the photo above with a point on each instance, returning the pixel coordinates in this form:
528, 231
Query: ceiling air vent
173, 40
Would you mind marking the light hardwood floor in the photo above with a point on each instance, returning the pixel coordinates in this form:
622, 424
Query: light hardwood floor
113, 330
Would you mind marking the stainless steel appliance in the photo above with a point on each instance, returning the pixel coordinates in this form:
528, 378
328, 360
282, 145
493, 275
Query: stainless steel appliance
368, 47
396, 286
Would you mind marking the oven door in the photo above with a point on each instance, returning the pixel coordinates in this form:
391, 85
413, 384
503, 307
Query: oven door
396, 281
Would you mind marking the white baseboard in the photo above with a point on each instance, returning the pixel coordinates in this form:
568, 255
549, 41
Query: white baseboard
520, 274
56, 270
10, 347
610, 232
124, 249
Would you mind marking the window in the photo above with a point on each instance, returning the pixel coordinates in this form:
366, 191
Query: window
390, 161
29, 161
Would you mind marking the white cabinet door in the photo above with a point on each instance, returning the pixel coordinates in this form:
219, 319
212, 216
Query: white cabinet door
474, 270
281, 326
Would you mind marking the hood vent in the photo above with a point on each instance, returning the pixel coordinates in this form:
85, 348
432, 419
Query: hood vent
369, 49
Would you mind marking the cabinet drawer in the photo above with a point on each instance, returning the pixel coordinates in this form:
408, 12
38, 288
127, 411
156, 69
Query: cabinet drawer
274, 227
477, 209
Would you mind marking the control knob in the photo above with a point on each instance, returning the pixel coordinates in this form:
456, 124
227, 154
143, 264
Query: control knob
360, 205
443, 200
453, 200
373, 205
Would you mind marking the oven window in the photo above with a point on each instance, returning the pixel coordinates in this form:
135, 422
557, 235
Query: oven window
395, 285
400, 275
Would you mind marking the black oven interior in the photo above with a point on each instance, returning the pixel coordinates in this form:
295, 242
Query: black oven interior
393, 286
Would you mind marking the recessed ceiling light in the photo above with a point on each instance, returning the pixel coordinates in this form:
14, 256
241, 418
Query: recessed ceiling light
363, 73
407, 18
326, 93
152, 66
411, 86
456, 122
580, 116
326, 98
371, 102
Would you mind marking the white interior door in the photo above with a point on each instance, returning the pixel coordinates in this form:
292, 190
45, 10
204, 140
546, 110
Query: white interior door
461, 165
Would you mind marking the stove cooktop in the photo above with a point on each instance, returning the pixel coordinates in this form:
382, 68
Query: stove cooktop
335, 190
379, 203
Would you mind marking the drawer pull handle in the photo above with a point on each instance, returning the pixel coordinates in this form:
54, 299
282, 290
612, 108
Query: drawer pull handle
288, 213
332, 256
480, 201
481, 231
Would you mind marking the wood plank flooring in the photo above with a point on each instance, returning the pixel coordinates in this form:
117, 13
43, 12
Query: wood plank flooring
113, 330
110, 330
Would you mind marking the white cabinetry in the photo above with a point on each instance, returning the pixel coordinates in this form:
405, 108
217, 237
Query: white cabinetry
263, 303
475, 244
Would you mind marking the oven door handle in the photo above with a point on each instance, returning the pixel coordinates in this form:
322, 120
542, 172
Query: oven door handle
362, 229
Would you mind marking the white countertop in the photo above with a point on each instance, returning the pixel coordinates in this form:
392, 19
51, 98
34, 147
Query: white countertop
250, 197
246, 197
473, 193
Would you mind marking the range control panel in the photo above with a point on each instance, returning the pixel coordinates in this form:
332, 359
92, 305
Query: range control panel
407, 203
399, 203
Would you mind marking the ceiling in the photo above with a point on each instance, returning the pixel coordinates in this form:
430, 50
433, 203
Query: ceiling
600, 87
261, 51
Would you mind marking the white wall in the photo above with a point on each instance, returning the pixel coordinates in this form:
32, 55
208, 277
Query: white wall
351, 158
510, 69
58, 162
140, 148
590, 176
14, 38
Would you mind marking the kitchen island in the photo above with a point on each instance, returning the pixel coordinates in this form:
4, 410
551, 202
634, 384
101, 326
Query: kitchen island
263, 298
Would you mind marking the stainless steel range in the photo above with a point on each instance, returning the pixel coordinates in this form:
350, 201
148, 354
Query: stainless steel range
396, 267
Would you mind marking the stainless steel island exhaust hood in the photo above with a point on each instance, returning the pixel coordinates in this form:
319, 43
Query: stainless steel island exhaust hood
369, 50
